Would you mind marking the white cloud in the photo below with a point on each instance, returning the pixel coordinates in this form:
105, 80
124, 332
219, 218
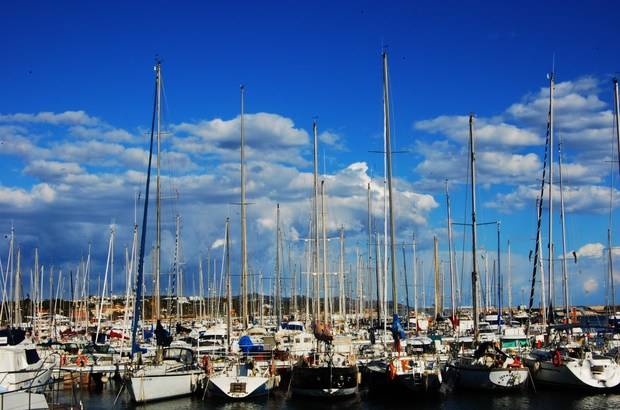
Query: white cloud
49, 170
267, 137
113, 134
333, 140
21, 198
487, 131
591, 250
64, 118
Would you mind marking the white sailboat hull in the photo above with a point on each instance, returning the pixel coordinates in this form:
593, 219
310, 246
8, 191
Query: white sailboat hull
147, 387
18, 400
240, 387
581, 374
474, 378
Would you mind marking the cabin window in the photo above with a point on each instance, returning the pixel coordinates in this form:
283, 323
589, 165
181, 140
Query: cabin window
32, 356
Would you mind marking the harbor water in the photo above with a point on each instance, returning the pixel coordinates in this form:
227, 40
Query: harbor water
543, 399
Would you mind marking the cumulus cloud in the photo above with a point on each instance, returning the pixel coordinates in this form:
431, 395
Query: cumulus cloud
21, 198
591, 250
488, 132
267, 136
64, 118
577, 199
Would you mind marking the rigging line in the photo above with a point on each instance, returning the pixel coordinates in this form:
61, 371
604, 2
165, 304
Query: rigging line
539, 221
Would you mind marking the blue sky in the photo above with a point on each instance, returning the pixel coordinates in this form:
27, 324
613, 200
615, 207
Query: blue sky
66, 177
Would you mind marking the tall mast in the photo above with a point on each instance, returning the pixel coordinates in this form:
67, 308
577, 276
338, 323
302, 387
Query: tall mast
451, 257
177, 271
17, 317
551, 273
499, 279
278, 269
415, 283
474, 272
201, 293
386, 113
509, 282
228, 288
341, 295
244, 251
36, 292
563, 220
315, 230
324, 230
156, 307
617, 121
438, 289
138, 307
406, 285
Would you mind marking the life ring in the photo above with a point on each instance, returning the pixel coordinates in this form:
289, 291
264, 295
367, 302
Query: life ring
557, 359
81, 360
391, 371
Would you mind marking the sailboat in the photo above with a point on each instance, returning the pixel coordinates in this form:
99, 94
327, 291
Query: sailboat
177, 374
419, 371
572, 365
489, 368
324, 372
243, 376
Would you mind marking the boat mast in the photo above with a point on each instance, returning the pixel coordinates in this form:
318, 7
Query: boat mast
474, 272
438, 287
380, 313
563, 220
324, 230
415, 283
228, 288
17, 317
341, 290
105, 281
451, 256
278, 269
177, 271
244, 250
386, 114
140, 275
156, 290
315, 221
617, 121
550, 199
406, 285
509, 281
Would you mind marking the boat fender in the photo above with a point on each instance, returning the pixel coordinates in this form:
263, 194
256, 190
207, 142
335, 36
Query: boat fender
557, 359
81, 360
391, 371
516, 363
63, 359
206, 364
405, 364
272, 368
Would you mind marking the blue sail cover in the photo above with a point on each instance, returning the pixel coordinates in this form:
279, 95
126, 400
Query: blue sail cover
247, 346
398, 332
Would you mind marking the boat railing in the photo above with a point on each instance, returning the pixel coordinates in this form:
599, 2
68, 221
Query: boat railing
28, 390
